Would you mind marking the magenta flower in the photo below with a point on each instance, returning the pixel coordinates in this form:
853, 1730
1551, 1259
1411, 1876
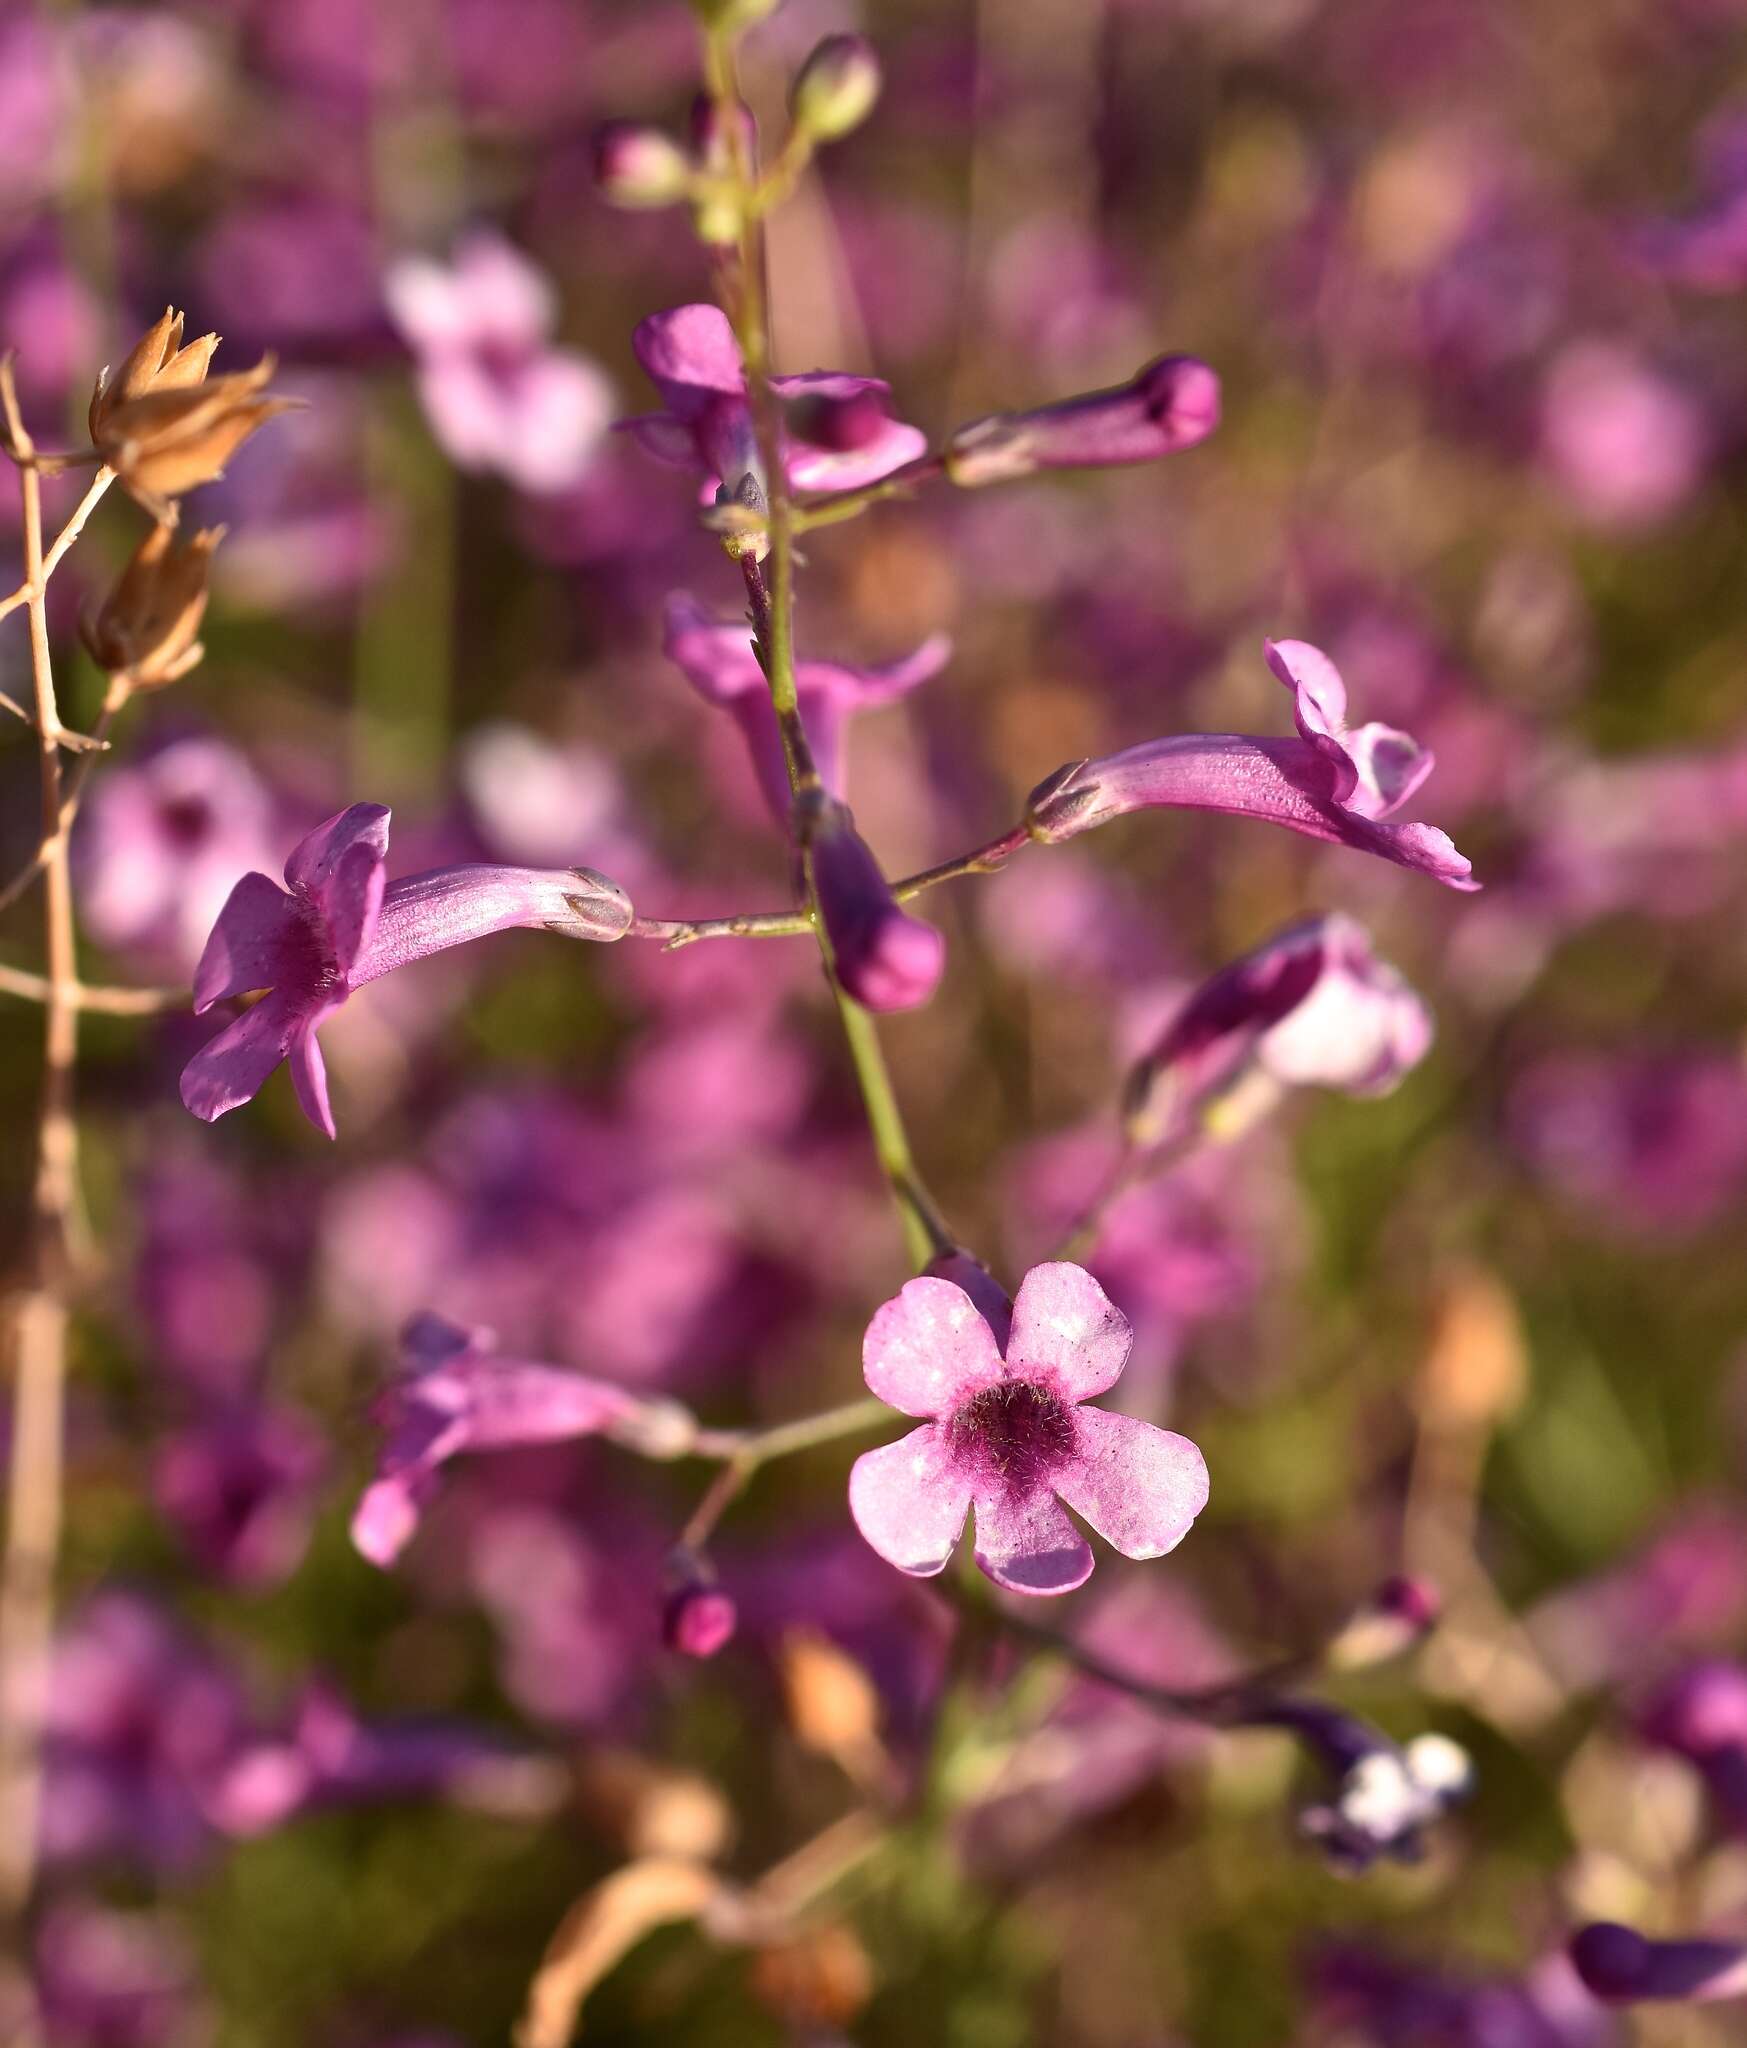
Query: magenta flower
1333, 782
240, 1489
1173, 403
1008, 1435
884, 958
838, 430
459, 1395
1312, 1006
340, 926
1619, 1966
498, 394
715, 656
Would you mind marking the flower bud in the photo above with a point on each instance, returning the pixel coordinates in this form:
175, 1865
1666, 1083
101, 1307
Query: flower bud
836, 88
635, 165
884, 959
1400, 1614
698, 1619
1171, 404
145, 628
1620, 1967
156, 362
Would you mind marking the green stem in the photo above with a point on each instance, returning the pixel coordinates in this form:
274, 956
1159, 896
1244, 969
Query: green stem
773, 612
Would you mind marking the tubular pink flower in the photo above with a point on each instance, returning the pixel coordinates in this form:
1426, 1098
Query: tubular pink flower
1312, 1006
715, 656
458, 1395
1007, 1435
340, 925
1173, 403
884, 958
1332, 783
839, 434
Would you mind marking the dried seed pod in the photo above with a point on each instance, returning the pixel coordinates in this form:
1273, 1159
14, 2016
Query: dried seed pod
145, 628
158, 361
172, 438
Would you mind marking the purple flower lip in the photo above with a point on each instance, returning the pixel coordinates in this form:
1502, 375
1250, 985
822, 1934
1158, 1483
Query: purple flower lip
338, 925
1332, 782
1622, 1967
1311, 1006
691, 357
1008, 1435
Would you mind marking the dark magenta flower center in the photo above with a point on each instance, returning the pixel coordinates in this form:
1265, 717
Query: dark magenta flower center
1013, 1435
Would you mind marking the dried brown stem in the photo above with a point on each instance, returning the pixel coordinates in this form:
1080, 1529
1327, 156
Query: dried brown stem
33, 1529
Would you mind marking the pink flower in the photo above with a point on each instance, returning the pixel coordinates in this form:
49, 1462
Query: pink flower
1312, 1006
1173, 403
838, 434
1008, 1435
340, 926
715, 656
497, 393
459, 1395
1333, 782
1626, 443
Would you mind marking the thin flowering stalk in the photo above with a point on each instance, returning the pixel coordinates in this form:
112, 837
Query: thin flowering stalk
988, 859
100, 1001
772, 601
33, 1529
64, 539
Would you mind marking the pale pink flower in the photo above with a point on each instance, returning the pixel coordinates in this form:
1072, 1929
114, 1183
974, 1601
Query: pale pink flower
1008, 1435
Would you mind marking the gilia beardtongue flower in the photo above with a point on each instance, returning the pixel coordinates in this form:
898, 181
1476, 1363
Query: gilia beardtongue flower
1334, 782
1312, 1006
1008, 1435
339, 924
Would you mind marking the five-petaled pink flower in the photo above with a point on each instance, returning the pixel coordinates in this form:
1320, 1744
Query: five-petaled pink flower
1007, 1435
1334, 782
340, 924
838, 432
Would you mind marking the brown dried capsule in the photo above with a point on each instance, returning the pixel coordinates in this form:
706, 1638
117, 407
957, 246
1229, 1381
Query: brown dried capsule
170, 440
156, 362
145, 628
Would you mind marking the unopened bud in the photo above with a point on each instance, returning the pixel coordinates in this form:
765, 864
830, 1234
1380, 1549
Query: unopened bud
1402, 1612
1171, 404
157, 362
698, 1619
884, 958
635, 165
836, 88
145, 628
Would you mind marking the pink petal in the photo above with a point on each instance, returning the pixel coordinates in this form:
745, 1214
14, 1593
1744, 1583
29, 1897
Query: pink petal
232, 1067
387, 1515
852, 469
1391, 765
1065, 1324
314, 858
1319, 695
351, 901
254, 944
909, 1501
1140, 1487
309, 1076
665, 438
714, 655
927, 1350
1030, 1546
687, 353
